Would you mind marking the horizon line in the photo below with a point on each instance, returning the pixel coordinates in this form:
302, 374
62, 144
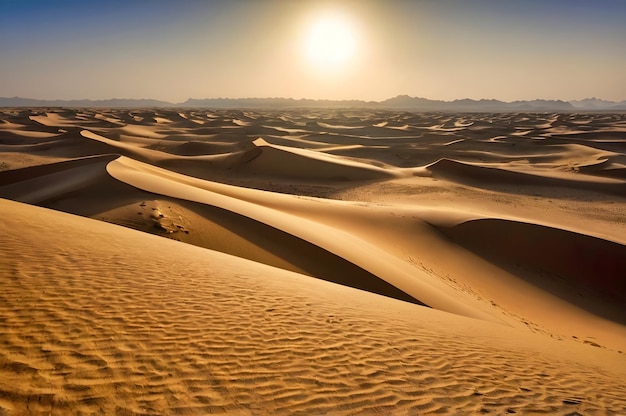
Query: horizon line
316, 99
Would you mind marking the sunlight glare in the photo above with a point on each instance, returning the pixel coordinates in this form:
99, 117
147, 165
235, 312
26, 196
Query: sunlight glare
330, 43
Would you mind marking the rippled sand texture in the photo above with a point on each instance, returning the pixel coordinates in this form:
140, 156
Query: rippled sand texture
353, 262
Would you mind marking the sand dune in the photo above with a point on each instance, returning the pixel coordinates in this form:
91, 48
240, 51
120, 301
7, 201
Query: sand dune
485, 176
283, 161
492, 247
156, 326
588, 262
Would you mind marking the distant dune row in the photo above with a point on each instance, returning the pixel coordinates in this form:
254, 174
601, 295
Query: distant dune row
337, 261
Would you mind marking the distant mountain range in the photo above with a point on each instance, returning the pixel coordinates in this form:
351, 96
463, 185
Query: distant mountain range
114, 102
401, 102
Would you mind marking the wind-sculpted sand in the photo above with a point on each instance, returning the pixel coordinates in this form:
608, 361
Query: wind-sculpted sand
336, 262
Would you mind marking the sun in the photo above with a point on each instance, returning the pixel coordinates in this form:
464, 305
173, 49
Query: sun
330, 43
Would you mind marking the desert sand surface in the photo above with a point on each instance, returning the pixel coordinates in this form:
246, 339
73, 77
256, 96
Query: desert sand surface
311, 261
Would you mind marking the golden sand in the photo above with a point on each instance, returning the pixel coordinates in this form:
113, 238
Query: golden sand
353, 262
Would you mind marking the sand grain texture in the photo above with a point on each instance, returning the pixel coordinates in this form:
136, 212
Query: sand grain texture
327, 262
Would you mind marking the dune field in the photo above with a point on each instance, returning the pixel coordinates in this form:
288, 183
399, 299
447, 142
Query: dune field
311, 261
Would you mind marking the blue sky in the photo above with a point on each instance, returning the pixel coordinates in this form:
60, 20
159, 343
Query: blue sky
445, 49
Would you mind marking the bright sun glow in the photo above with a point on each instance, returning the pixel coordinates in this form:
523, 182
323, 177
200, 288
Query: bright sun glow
330, 43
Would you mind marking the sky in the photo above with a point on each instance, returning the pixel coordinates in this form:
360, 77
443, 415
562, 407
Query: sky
173, 50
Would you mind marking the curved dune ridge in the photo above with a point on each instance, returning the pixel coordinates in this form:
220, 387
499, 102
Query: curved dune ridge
141, 325
486, 175
492, 248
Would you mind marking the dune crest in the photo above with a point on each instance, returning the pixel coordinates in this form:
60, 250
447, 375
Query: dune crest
176, 326
327, 261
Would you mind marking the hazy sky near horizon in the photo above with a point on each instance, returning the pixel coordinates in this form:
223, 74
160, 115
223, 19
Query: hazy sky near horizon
438, 49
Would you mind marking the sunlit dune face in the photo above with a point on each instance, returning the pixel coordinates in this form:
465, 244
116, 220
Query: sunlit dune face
330, 43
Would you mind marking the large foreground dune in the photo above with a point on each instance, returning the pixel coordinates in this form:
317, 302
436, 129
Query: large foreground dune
353, 262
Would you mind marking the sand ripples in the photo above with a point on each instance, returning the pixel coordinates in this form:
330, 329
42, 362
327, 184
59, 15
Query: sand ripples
515, 219
139, 333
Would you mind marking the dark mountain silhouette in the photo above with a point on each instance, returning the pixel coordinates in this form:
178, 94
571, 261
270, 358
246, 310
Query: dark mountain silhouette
400, 102
112, 103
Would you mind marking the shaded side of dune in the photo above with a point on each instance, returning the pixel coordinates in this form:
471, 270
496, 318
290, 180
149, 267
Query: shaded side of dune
301, 164
299, 254
44, 184
256, 157
487, 177
67, 143
83, 187
607, 168
19, 175
583, 263
98, 319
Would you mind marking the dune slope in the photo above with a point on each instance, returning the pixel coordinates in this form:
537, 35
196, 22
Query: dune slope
117, 321
491, 246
